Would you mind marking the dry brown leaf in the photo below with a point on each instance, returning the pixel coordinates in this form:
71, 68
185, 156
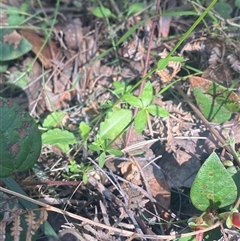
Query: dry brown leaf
14, 38
48, 52
194, 45
161, 192
130, 171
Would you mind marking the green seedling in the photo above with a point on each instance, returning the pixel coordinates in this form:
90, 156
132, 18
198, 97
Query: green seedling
146, 107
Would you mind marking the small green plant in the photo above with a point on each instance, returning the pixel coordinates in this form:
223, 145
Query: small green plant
113, 126
54, 135
213, 189
74, 170
146, 107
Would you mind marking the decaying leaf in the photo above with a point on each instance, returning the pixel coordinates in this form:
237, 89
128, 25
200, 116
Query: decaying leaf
130, 171
194, 45
234, 61
16, 228
215, 57
14, 38
133, 50
45, 53
34, 222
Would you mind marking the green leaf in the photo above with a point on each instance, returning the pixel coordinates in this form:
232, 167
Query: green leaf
3, 67
10, 51
53, 119
156, 110
115, 124
224, 97
133, 100
147, 94
73, 167
12, 10
85, 178
120, 88
94, 147
84, 130
212, 110
101, 159
177, 59
191, 238
101, 12
140, 121
115, 152
60, 138
135, 8
20, 139
213, 186
15, 20
18, 79
237, 3
162, 63
223, 8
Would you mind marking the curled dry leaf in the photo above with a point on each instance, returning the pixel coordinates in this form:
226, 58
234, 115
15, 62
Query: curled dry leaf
130, 171
46, 53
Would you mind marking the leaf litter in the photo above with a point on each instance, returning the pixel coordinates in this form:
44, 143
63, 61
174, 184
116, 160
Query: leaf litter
151, 182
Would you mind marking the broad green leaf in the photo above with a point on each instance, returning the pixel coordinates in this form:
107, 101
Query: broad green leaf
25, 7
115, 152
101, 12
84, 130
12, 51
115, 124
60, 138
216, 102
223, 8
135, 8
213, 186
120, 88
18, 79
15, 20
236, 178
212, 110
237, 3
101, 159
94, 147
20, 139
133, 100
53, 119
224, 97
140, 121
162, 63
156, 110
3, 67
147, 94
